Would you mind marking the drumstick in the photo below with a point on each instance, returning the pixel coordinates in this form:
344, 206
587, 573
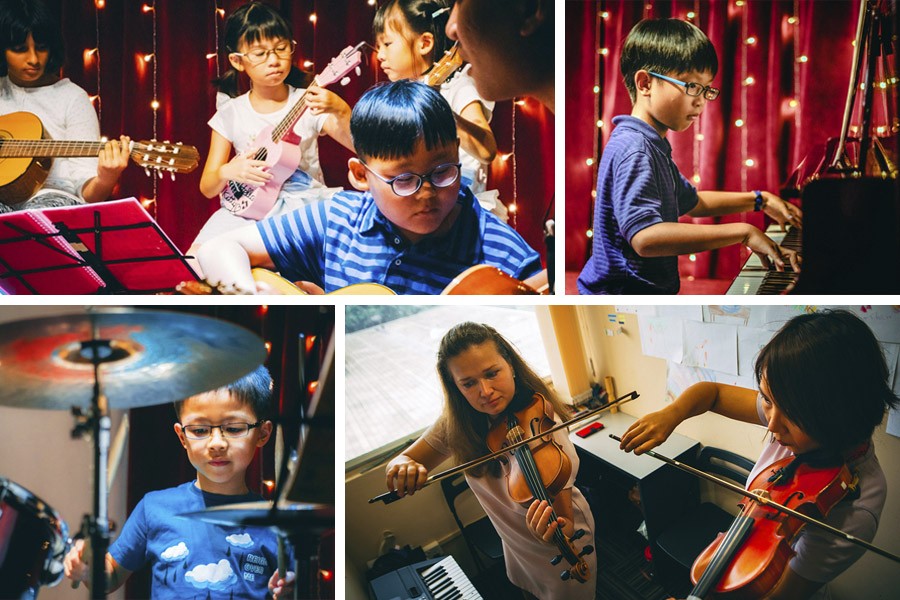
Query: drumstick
282, 558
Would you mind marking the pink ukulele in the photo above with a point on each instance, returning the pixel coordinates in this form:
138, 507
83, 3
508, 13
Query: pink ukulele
279, 146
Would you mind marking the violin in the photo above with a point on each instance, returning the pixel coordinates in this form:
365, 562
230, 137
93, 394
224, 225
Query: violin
538, 471
749, 559
389, 497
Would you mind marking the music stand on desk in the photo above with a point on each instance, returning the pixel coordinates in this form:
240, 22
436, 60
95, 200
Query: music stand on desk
666, 493
105, 248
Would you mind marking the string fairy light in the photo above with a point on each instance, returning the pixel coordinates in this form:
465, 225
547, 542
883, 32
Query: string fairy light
152, 57
739, 123
600, 53
215, 53
95, 53
694, 15
513, 207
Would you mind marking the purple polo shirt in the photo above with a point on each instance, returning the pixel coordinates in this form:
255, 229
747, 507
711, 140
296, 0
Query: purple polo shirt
638, 185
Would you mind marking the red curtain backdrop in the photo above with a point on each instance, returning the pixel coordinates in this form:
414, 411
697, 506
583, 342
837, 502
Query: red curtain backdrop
765, 40
186, 34
157, 460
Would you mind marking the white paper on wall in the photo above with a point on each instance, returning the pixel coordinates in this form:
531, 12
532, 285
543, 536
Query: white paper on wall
661, 337
710, 346
750, 342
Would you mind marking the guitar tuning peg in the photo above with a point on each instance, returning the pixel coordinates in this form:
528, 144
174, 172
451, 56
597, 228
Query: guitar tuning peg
358, 71
146, 171
158, 172
556, 559
172, 175
345, 81
565, 575
146, 158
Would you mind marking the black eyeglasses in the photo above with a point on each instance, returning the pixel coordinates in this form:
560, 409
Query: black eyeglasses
692, 88
407, 184
229, 430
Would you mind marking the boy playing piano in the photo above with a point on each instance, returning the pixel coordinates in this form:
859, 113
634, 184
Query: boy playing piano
668, 66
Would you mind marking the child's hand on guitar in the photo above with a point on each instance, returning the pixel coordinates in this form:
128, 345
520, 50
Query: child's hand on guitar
243, 168
113, 159
319, 100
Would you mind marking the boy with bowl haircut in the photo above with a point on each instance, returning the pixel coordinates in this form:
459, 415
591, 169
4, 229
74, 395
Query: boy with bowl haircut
668, 66
410, 227
221, 431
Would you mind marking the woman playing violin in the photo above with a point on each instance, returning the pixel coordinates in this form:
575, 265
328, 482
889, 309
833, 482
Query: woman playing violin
823, 389
484, 378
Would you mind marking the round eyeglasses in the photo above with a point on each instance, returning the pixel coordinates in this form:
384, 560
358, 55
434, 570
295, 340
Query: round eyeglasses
229, 430
259, 55
407, 184
692, 88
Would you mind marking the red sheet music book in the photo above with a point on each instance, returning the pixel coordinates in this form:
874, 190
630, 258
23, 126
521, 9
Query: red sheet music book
109, 247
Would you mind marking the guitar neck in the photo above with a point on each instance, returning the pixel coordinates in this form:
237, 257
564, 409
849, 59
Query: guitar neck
288, 122
48, 148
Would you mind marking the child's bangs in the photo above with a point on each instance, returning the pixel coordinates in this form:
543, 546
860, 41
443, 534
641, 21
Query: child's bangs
392, 19
263, 25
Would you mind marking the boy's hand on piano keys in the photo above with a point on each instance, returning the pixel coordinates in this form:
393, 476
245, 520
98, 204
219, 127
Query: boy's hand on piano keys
769, 252
783, 213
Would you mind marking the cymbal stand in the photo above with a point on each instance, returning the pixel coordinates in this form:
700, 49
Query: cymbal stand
97, 421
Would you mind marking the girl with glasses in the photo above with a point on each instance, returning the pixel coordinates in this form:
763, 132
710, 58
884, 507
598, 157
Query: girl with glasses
260, 45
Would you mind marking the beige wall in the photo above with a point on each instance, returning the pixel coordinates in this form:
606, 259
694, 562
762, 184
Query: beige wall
37, 453
873, 576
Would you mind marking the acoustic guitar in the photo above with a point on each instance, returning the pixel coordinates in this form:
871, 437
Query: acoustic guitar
440, 71
26, 154
279, 146
480, 280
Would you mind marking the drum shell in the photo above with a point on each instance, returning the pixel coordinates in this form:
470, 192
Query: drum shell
33, 542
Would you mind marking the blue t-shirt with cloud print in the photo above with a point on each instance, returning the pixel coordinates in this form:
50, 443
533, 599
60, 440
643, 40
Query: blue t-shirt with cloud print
193, 559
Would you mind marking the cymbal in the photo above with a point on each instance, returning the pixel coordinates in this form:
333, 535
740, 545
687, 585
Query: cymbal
291, 517
147, 357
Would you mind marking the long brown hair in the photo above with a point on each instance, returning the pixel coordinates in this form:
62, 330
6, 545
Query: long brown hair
464, 427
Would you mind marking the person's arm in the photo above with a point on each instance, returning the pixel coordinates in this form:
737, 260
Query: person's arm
408, 471
218, 170
714, 204
337, 125
475, 135
672, 239
79, 571
653, 429
226, 260
112, 160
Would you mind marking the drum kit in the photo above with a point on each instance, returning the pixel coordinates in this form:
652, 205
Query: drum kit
105, 358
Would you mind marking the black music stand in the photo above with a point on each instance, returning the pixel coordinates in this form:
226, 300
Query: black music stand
106, 248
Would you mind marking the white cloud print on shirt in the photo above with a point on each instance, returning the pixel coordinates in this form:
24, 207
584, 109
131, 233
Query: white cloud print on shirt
240, 540
173, 553
215, 576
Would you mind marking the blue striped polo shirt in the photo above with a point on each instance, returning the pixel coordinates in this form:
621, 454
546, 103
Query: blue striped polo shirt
638, 185
346, 240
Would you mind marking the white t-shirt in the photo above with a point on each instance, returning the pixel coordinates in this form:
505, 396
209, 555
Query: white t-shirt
459, 91
821, 556
67, 114
238, 122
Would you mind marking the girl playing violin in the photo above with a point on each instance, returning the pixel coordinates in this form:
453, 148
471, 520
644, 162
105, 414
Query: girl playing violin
409, 37
484, 378
823, 389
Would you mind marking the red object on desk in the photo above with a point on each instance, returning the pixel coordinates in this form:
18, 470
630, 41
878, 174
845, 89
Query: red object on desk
592, 428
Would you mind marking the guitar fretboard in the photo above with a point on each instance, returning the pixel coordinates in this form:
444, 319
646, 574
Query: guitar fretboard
288, 122
40, 148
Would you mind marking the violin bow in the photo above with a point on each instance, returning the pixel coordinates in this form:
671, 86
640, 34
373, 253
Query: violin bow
766, 502
389, 497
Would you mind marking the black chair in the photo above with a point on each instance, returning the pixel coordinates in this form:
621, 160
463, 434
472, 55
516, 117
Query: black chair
480, 535
685, 539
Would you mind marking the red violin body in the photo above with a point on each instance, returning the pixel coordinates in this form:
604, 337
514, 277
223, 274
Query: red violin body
752, 555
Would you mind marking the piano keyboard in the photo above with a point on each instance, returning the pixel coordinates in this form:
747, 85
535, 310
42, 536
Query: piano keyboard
756, 279
429, 580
